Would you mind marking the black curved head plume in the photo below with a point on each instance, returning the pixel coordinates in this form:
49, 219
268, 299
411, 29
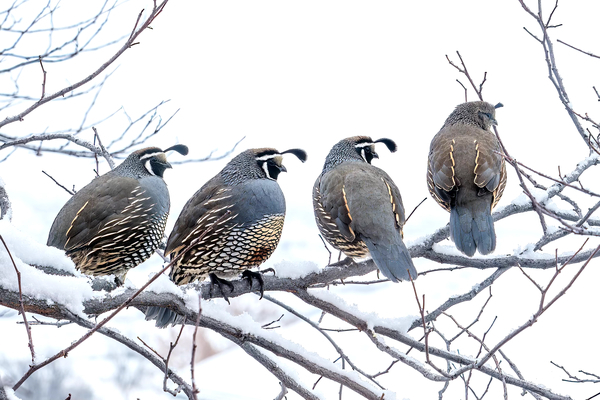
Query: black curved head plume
301, 154
389, 143
180, 148
499, 105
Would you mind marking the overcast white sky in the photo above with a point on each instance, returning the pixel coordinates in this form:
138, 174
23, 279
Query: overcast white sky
306, 74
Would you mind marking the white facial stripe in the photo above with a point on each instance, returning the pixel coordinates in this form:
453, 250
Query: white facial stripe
267, 157
265, 168
363, 155
145, 156
149, 167
365, 144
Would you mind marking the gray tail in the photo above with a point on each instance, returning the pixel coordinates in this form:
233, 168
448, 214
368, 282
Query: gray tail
163, 316
393, 260
472, 227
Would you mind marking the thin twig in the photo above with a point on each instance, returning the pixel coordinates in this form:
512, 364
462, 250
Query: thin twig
55, 181
22, 306
326, 248
192, 362
579, 50
422, 312
44, 80
104, 152
413, 211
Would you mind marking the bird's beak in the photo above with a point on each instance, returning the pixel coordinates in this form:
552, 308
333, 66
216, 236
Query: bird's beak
494, 122
375, 155
167, 165
282, 168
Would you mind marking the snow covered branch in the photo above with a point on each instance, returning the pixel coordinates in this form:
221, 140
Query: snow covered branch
240, 333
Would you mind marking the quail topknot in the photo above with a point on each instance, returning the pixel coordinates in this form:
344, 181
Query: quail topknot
117, 220
466, 175
241, 212
359, 210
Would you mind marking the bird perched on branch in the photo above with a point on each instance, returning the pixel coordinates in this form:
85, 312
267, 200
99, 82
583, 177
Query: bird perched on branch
466, 175
117, 220
358, 207
238, 216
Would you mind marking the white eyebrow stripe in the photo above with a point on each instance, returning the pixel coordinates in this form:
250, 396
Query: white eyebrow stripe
145, 156
267, 157
359, 145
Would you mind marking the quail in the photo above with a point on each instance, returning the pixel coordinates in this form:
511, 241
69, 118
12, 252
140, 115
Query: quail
358, 208
466, 175
117, 220
240, 212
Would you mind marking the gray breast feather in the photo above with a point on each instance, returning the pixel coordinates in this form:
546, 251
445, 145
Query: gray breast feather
257, 198
156, 188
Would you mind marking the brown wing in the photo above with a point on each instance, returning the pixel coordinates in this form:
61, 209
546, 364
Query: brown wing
395, 201
204, 208
500, 189
490, 168
85, 216
331, 207
441, 174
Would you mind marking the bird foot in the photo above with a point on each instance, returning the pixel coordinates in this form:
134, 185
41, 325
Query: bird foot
215, 280
249, 275
119, 280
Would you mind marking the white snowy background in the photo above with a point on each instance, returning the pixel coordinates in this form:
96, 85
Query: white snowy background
307, 74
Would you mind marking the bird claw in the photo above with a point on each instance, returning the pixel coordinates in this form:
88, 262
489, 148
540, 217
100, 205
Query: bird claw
215, 280
119, 280
249, 275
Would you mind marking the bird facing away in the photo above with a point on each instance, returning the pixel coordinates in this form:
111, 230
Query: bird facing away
241, 212
358, 207
117, 220
466, 175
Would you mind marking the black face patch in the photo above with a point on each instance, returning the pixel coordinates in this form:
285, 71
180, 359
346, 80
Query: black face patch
158, 167
274, 169
270, 167
364, 148
366, 153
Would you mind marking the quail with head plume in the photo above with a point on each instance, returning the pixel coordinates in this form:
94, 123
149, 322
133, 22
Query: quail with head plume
240, 211
466, 175
117, 220
358, 207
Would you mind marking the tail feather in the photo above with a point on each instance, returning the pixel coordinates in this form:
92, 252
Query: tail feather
163, 316
472, 228
393, 260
